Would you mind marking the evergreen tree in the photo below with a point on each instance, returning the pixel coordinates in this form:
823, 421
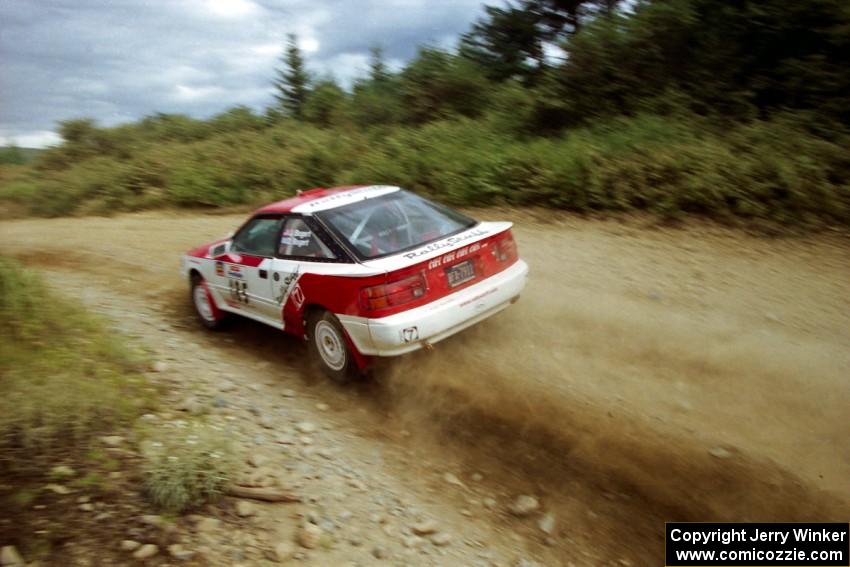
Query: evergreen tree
377, 68
293, 81
508, 42
326, 105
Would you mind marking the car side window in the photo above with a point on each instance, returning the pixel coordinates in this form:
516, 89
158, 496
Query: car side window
298, 240
258, 237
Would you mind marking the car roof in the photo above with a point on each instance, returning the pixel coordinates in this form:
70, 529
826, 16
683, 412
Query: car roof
321, 198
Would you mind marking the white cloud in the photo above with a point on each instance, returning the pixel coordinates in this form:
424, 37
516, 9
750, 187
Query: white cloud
344, 68
189, 93
308, 44
119, 61
267, 49
232, 8
38, 139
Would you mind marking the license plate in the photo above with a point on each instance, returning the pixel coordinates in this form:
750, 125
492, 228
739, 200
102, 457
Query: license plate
460, 273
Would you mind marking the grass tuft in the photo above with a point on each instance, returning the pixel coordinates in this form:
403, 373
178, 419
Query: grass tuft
186, 464
63, 377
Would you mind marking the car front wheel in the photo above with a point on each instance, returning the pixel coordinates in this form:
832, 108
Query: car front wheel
210, 317
329, 347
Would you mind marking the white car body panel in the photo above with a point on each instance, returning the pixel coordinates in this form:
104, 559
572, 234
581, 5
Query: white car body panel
393, 335
344, 198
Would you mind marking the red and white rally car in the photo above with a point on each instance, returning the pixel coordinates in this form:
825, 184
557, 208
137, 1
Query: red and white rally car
359, 272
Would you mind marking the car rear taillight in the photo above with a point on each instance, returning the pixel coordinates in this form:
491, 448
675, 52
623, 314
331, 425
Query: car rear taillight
505, 249
391, 294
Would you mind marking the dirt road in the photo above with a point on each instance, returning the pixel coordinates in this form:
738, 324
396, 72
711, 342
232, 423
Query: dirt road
647, 374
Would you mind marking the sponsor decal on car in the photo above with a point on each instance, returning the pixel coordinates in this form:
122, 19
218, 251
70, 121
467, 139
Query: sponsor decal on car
363, 192
234, 271
479, 297
451, 256
447, 243
297, 296
410, 334
219, 269
295, 237
290, 282
239, 291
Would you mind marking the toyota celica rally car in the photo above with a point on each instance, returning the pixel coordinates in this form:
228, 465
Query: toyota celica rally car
359, 272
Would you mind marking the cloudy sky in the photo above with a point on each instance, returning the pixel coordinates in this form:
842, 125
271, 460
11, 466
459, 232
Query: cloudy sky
119, 60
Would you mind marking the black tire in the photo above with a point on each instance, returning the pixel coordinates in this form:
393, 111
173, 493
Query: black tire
329, 348
205, 316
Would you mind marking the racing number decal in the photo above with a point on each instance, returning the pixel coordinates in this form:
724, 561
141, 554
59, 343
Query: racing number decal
238, 290
289, 282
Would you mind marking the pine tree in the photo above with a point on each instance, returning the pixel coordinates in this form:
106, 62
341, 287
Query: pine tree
377, 68
292, 82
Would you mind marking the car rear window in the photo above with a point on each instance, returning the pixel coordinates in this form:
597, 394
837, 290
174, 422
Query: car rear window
393, 223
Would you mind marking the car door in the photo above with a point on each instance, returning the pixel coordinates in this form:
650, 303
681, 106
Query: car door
300, 247
243, 273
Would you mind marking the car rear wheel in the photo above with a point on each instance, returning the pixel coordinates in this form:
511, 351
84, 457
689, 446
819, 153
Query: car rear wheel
329, 347
210, 317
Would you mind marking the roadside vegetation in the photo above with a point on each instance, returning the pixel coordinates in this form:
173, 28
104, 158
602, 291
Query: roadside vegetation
72, 393
673, 107
66, 379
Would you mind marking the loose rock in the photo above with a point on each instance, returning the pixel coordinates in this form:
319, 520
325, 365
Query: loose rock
284, 551
207, 525
112, 440
379, 552
9, 557
256, 460
178, 552
547, 523
424, 527
130, 545
441, 539
524, 505
62, 471
411, 541
245, 509
309, 536
192, 405
720, 453
305, 427
452, 479
152, 520
146, 551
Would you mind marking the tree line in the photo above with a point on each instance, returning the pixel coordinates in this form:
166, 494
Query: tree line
734, 60
737, 109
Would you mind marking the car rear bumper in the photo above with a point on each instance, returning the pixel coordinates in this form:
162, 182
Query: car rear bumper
411, 330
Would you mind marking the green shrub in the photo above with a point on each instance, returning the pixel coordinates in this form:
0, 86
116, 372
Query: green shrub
65, 378
186, 465
788, 170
